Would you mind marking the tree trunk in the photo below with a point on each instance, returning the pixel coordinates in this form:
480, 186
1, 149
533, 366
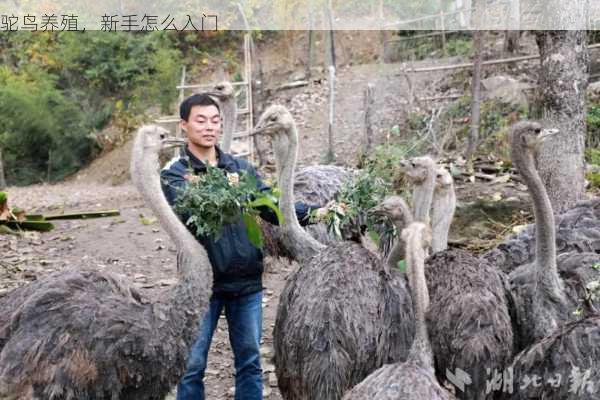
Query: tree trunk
330, 156
475, 94
511, 41
563, 80
2, 176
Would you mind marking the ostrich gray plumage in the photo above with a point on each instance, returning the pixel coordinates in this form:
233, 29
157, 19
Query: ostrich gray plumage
87, 334
571, 352
413, 379
544, 300
577, 230
469, 318
340, 316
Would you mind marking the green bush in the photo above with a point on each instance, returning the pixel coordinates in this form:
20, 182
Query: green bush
593, 126
42, 132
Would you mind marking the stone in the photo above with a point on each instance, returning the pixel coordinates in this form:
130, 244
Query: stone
505, 89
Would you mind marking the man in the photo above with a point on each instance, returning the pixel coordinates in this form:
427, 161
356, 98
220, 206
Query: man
237, 264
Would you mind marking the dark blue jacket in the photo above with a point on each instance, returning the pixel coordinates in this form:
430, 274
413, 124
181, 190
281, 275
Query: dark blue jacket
237, 265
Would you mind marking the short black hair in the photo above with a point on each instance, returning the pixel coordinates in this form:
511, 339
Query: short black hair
198, 99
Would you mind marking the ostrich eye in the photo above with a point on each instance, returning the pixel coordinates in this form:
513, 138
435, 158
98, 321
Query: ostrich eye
412, 164
538, 130
162, 136
273, 118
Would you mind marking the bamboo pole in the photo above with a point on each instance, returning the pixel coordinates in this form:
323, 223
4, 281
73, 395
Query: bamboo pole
330, 157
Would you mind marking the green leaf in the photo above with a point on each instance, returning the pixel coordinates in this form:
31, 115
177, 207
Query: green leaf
402, 265
253, 230
374, 236
3, 197
596, 266
266, 201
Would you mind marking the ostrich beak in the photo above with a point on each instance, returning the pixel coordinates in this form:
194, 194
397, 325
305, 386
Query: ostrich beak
257, 130
377, 210
172, 141
547, 133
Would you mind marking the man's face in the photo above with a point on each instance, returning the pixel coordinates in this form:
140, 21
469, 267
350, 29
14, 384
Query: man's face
203, 126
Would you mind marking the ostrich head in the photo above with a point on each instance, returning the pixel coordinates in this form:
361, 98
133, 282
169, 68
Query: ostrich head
155, 139
395, 208
525, 139
443, 180
417, 168
222, 91
277, 122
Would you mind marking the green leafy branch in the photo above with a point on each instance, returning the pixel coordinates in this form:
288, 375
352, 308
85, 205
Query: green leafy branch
216, 198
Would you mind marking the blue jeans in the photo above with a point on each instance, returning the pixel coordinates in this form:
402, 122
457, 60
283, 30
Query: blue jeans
244, 321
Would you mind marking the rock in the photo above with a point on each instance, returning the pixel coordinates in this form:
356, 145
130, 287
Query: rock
593, 91
505, 89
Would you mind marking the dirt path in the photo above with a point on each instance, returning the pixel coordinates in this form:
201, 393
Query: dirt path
124, 245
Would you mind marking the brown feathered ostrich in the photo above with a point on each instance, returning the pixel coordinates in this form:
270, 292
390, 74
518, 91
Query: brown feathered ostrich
340, 316
413, 379
469, 320
86, 334
545, 302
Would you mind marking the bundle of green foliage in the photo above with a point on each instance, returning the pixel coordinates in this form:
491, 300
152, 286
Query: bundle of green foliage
215, 198
348, 216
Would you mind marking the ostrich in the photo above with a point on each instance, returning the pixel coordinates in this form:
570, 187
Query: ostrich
225, 95
414, 378
577, 230
542, 301
86, 334
469, 320
340, 316
421, 172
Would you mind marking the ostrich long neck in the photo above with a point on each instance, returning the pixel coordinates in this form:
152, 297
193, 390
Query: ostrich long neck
302, 244
423, 196
229, 121
397, 252
545, 250
444, 205
420, 350
190, 295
